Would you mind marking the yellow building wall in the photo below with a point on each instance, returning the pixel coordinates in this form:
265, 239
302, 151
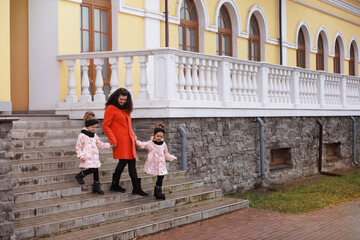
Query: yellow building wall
5, 91
315, 19
19, 52
134, 3
69, 42
272, 53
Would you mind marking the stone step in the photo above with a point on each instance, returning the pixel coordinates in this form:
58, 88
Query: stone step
47, 123
46, 152
61, 190
139, 225
38, 226
62, 163
49, 133
56, 205
31, 143
31, 179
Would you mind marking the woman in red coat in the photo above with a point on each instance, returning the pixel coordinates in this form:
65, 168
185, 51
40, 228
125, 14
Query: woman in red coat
117, 127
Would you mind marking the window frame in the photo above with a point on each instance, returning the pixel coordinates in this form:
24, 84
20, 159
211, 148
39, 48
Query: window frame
352, 61
278, 162
188, 24
301, 49
254, 39
320, 54
224, 32
337, 58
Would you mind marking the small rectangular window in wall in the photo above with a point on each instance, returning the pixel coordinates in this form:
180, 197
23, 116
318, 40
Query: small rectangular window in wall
332, 149
277, 156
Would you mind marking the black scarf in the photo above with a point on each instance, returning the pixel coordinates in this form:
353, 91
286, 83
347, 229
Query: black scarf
123, 107
158, 143
87, 133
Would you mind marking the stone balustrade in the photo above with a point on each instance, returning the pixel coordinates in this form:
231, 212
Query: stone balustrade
176, 83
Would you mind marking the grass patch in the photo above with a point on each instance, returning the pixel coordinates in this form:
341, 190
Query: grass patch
308, 197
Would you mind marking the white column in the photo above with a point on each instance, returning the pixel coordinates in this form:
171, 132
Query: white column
321, 90
224, 86
71, 97
295, 88
343, 92
128, 75
181, 78
143, 94
99, 83
195, 79
85, 84
202, 79
165, 75
114, 80
262, 82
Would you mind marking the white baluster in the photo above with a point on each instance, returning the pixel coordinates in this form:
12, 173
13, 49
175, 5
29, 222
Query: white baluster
233, 68
245, 83
181, 78
202, 79
195, 79
239, 83
208, 80
143, 94
250, 83
214, 80
71, 97
85, 84
254, 84
114, 80
188, 80
99, 83
128, 75
271, 85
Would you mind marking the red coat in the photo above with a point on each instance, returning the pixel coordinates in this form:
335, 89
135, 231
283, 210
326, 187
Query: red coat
117, 127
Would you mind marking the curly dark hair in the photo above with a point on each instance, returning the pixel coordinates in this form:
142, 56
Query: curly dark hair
113, 99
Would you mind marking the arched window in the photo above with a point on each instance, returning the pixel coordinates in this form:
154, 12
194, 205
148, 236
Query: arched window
95, 36
254, 40
337, 57
320, 54
224, 35
352, 61
300, 53
188, 29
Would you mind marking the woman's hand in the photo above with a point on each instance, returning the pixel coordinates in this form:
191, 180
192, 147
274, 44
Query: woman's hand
83, 159
113, 145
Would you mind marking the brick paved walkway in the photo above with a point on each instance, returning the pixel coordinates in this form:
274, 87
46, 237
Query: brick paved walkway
340, 222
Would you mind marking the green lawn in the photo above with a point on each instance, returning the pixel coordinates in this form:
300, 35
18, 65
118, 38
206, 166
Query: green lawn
306, 198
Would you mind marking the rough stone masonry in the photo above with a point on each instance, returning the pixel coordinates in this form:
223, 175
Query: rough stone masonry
225, 152
6, 185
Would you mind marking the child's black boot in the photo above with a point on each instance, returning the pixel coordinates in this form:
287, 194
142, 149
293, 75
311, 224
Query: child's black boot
79, 177
158, 194
96, 188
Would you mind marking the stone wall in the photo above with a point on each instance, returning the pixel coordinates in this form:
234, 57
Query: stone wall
6, 186
225, 152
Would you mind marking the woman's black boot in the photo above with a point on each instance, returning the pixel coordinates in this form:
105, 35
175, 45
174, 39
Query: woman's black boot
115, 186
79, 177
158, 194
137, 187
96, 188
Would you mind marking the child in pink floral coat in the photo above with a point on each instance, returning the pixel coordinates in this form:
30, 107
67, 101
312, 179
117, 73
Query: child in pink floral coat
157, 156
87, 146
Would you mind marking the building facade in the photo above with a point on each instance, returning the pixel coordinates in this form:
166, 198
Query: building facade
217, 68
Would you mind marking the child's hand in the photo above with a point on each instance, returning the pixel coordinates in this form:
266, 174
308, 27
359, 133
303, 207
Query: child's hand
113, 145
175, 159
82, 159
135, 138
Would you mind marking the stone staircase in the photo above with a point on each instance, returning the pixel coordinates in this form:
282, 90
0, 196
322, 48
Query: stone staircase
50, 203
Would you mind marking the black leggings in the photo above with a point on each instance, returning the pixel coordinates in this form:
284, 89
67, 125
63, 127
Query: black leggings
131, 167
159, 181
95, 171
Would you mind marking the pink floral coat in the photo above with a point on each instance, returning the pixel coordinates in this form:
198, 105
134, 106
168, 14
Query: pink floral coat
157, 156
88, 147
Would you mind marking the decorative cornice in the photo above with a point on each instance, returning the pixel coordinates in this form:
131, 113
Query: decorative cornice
326, 12
345, 6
